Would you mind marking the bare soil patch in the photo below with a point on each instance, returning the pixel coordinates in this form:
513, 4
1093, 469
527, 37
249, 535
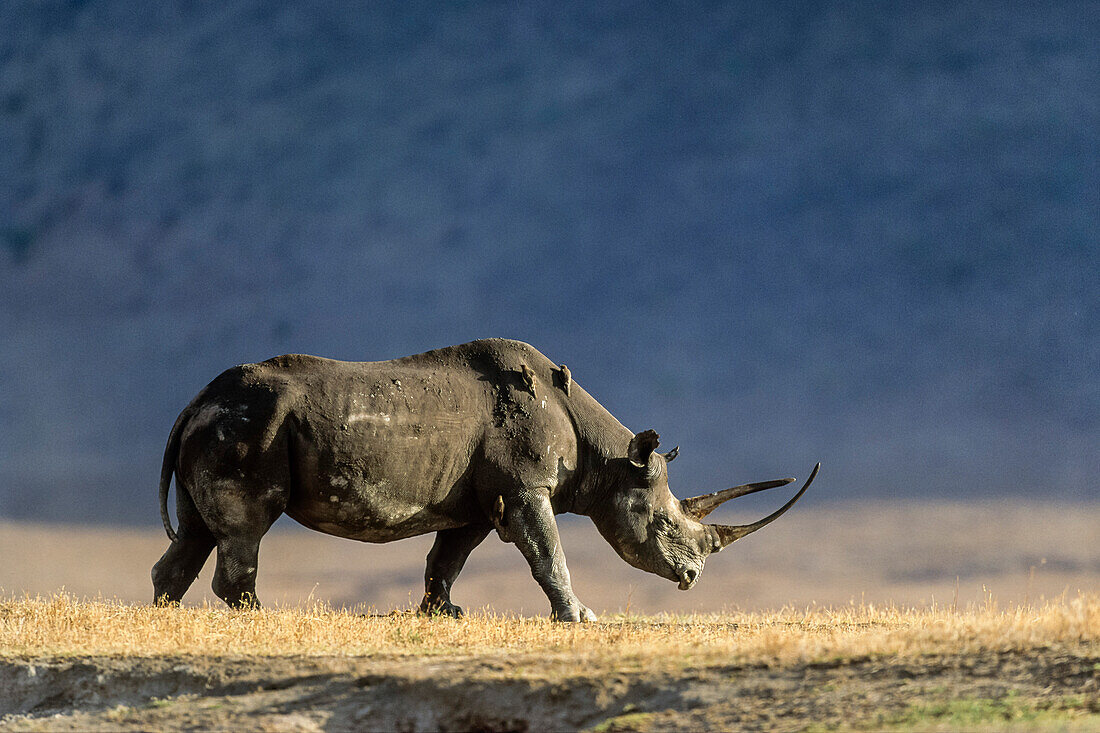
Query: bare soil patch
521, 694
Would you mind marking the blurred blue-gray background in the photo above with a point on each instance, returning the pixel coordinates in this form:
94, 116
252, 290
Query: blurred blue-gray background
866, 234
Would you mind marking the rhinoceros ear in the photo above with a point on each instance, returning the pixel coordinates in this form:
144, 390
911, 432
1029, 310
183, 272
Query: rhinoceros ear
671, 455
642, 446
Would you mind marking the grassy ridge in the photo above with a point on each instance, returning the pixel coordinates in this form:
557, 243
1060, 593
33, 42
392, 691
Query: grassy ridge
107, 665
62, 625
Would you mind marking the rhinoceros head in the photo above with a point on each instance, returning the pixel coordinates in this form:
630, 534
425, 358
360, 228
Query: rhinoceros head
654, 531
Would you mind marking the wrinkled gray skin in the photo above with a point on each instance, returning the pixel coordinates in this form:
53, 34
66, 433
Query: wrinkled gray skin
458, 441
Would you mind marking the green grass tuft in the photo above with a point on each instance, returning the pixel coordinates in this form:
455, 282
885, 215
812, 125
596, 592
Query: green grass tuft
625, 722
1010, 712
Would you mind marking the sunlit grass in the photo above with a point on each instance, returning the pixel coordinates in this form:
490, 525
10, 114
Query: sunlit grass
62, 625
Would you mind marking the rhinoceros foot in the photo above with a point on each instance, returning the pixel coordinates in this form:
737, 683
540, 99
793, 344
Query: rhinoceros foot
440, 608
577, 613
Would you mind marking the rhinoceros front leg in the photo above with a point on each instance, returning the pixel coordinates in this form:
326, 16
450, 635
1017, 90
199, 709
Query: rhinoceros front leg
445, 561
534, 530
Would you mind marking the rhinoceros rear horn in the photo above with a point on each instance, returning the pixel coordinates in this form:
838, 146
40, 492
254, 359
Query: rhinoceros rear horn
728, 534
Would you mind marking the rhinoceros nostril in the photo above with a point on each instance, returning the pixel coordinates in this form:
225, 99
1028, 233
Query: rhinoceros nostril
687, 577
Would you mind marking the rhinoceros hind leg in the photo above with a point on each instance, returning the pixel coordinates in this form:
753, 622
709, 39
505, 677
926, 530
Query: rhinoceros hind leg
445, 561
239, 544
180, 565
235, 575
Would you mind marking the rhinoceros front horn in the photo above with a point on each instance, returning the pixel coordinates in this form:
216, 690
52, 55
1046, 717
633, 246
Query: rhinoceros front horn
701, 506
731, 533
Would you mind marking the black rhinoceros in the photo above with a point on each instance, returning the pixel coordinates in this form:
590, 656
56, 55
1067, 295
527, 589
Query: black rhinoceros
457, 441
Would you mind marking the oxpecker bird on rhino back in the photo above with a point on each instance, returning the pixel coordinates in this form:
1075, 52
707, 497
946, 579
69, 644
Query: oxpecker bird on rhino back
460, 441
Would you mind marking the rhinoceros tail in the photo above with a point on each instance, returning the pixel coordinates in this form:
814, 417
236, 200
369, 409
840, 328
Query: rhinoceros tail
168, 467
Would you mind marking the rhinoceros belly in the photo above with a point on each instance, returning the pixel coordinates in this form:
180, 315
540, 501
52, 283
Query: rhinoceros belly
385, 468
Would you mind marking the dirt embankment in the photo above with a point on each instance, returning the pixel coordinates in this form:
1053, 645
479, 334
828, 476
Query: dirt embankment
341, 693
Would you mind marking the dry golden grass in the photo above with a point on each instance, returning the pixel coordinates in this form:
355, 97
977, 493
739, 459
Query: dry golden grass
77, 664
64, 626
